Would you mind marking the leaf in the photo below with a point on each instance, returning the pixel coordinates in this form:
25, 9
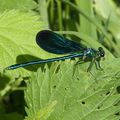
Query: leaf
33, 105
17, 37
83, 96
42, 7
23, 5
104, 8
86, 26
42, 114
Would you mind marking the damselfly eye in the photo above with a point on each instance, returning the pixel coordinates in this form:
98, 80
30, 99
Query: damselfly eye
102, 52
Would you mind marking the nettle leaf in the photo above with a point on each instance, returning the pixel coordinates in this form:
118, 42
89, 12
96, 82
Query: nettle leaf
17, 38
23, 5
79, 95
42, 114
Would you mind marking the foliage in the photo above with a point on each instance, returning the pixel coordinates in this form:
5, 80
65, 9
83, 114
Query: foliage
61, 90
81, 96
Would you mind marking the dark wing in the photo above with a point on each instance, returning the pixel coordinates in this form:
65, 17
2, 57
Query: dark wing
55, 43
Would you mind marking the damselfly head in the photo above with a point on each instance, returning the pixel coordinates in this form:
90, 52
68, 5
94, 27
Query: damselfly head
101, 52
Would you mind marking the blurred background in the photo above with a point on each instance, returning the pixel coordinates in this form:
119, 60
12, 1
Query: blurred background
93, 23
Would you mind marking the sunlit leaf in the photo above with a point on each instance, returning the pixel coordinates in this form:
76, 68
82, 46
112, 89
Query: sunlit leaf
17, 37
23, 5
82, 96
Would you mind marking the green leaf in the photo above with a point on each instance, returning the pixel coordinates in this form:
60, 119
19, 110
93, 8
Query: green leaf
82, 96
17, 37
42, 114
42, 7
23, 5
104, 8
86, 26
